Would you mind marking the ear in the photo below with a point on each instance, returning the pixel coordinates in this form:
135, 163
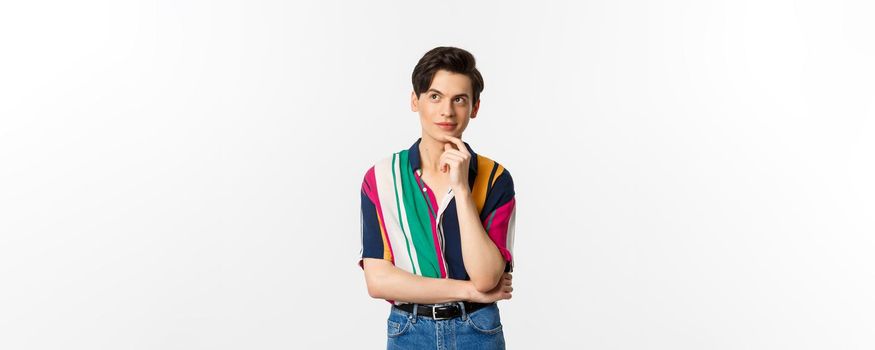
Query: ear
414, 102
475, 109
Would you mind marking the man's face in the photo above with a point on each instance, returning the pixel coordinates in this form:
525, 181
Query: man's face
448, 100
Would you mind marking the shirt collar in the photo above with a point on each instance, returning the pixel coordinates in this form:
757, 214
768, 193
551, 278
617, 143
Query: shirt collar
415, 160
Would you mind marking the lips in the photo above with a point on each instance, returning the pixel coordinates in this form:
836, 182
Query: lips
446, 126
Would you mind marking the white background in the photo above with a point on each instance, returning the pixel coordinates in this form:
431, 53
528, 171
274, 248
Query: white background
185, 175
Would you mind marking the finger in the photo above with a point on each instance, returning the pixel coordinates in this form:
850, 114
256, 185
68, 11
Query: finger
453, 156
451, 160
446, 164
444, 159
449, 144
457, 153
458, 142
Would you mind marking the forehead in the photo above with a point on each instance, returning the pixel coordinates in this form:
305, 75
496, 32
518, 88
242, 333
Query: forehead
451, 83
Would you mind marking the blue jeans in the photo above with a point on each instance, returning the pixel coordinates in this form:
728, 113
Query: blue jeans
481, 330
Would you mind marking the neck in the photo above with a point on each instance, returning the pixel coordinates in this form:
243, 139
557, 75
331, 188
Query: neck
430, 151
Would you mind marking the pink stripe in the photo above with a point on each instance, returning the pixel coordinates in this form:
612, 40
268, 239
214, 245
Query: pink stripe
498, 230
370, 187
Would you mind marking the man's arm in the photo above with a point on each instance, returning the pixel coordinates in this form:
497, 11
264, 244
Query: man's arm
386, 281
483, 261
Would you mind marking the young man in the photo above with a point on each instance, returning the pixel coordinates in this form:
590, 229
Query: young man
438, 220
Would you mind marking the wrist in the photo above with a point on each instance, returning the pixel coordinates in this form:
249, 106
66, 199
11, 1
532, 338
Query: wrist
467, 290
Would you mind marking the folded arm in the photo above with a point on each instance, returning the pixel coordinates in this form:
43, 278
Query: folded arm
483, 260
386, 281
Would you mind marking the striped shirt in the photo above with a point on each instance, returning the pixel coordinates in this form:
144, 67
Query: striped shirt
402, 222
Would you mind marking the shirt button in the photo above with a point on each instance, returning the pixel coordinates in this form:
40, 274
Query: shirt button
424, 189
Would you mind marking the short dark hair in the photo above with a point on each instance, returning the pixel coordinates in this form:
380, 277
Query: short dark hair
448, 58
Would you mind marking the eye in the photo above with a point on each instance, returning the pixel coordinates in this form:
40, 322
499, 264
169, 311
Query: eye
433, 96
460, 99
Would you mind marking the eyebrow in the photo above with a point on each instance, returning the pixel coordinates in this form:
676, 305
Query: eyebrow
438, 91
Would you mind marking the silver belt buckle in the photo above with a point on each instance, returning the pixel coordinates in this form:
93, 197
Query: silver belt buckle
434, 313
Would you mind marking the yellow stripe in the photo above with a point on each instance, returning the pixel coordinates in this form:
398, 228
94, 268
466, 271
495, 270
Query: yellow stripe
387, 253
497, 173
481, 182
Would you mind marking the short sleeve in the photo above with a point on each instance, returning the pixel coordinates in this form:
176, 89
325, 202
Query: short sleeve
500, 216
374, 243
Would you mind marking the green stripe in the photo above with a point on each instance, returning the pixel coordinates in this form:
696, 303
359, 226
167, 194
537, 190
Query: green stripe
398, 206
419, 220
489, 224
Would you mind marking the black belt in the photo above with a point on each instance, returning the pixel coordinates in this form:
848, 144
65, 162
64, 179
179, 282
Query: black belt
443, 312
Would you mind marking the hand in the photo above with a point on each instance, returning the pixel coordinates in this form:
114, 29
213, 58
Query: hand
501, 291
456, 160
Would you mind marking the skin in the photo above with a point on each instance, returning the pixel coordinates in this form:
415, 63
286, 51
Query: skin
445, 163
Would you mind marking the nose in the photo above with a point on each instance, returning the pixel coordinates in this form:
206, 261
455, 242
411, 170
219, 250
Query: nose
447, 109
